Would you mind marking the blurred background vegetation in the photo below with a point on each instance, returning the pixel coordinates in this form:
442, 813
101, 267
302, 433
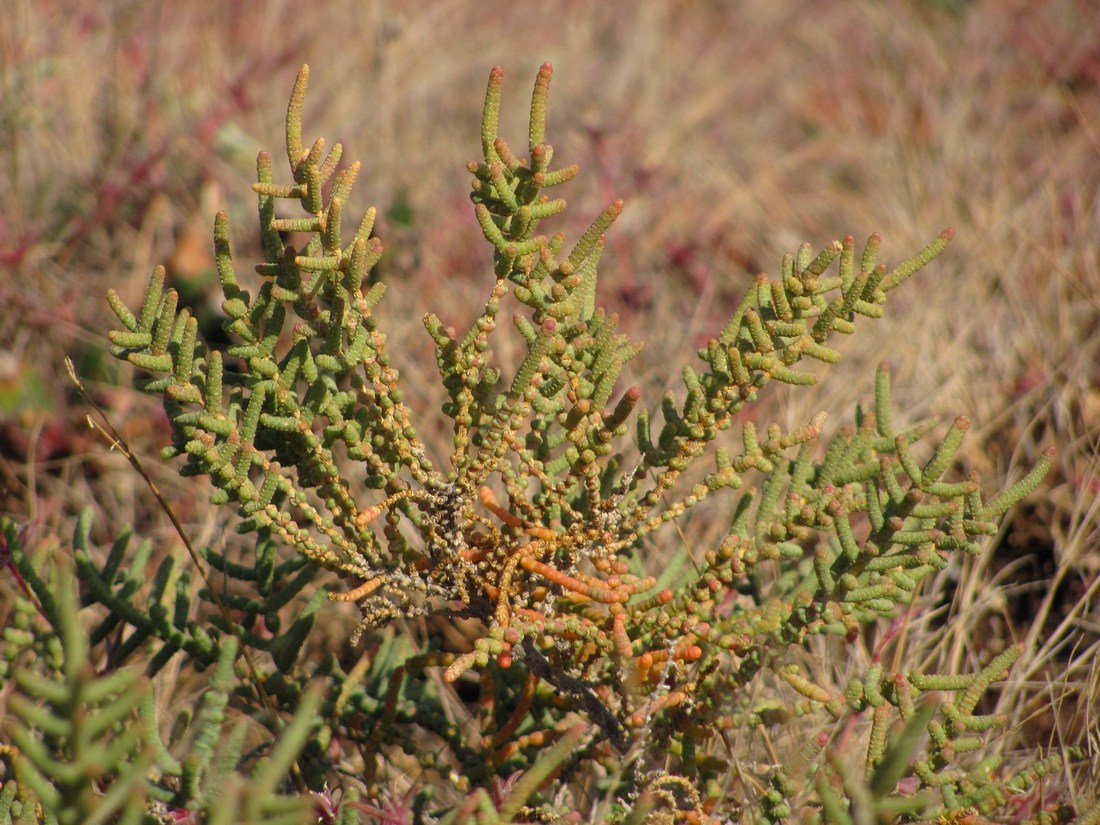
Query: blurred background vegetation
734, 131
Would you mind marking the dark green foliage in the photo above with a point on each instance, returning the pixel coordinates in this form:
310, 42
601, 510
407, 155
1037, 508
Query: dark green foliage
85, 742
79, 752
560, 657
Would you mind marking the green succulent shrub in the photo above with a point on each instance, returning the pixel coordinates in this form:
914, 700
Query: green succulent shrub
534, 644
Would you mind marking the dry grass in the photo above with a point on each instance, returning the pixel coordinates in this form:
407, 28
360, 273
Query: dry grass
734, 131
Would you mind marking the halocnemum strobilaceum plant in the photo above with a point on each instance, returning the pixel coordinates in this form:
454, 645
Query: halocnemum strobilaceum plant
591, 667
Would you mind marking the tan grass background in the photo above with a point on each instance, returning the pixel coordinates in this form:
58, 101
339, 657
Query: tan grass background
734, 130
